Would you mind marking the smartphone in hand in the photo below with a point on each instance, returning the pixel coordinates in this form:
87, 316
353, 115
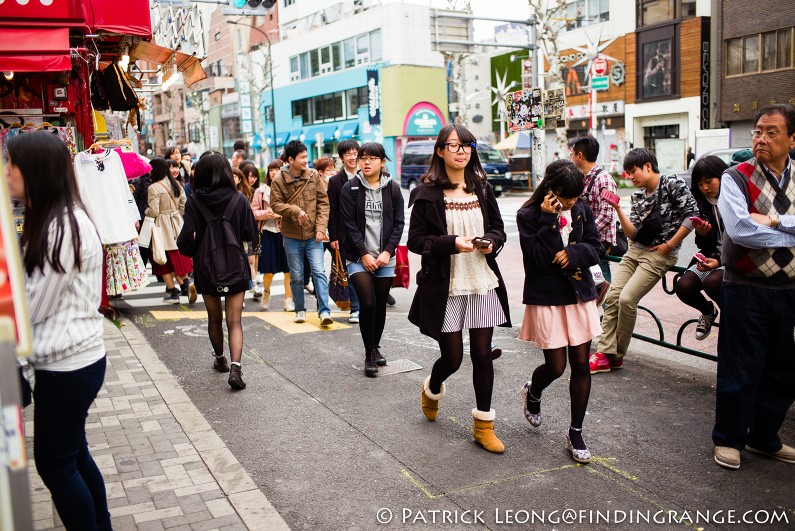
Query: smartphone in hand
481, 243
610, 197
700, 258
696, 221
556, 204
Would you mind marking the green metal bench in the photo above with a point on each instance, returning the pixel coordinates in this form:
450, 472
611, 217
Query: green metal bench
678, 272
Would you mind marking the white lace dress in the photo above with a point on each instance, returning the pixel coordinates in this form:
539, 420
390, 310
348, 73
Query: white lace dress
472, 300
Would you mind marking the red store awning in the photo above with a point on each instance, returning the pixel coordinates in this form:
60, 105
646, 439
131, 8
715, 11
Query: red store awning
34, 50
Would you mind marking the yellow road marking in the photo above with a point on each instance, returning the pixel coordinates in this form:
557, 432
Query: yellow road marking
603, 461
282, 320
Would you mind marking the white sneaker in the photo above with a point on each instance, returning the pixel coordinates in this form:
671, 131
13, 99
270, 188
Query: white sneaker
325, 319
265, 302
289, 305
300, 317
354, 318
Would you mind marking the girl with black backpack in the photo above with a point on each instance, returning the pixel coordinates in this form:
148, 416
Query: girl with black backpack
217, 222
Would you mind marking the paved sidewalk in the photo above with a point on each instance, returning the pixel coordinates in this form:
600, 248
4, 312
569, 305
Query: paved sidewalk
164, 465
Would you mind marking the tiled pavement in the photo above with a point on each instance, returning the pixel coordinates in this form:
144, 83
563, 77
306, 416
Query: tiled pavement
164, 466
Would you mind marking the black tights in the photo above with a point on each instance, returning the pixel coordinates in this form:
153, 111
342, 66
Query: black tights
451, 346
689, 287
215, 314
372, 292
580, 385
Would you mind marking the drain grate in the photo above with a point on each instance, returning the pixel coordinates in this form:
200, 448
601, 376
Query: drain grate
396, 366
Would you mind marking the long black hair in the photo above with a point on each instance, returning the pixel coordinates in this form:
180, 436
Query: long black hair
562, 178
437, 175
709, 167
51, 197
212, 172
161, 169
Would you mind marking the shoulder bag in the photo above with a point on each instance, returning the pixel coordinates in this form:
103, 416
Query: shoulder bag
338, 283
651, 226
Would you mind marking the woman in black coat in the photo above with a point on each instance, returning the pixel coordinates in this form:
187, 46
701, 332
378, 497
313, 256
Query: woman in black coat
457, 229
559, 243
215, 196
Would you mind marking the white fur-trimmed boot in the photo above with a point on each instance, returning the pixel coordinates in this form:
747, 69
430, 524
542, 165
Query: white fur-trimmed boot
430, 401
483, 431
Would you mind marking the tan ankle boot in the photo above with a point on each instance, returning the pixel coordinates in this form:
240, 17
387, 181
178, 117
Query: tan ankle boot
483, 431
430, 401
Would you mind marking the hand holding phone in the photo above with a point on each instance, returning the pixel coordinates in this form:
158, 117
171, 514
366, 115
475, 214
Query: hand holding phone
700, 258
551, 203
696, 221
610, 197
481, 243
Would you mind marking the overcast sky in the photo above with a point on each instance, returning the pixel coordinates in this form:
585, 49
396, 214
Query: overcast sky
512, 9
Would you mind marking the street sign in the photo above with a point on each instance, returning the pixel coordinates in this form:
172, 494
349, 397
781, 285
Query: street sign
600, 82
450, 33
173, 3
600, 66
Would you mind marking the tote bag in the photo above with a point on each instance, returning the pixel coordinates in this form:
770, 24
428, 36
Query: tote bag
157, 246
338, 283
145, 236
402, 273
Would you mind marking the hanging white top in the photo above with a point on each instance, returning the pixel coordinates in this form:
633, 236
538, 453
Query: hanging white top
104, 190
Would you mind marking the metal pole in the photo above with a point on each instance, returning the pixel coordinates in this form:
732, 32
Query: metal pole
270, 78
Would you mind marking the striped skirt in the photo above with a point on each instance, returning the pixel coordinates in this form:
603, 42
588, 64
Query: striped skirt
473, 311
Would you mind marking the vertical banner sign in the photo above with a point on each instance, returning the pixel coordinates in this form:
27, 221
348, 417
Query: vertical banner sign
525, 111
373, 97
13, 302
527, 73
554, 108
705, 66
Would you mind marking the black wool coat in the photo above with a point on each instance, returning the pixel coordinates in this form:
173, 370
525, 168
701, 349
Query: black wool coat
545, 283
428, 237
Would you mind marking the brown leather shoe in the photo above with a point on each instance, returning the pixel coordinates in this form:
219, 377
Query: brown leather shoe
785, 453
220, 364
236, 378
727, 457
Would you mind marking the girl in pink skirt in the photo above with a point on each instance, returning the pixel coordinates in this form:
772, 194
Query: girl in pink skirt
559, 243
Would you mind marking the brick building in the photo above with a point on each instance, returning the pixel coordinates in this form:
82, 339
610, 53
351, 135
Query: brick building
755, 61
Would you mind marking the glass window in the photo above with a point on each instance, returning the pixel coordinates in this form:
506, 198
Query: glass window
348, 46
336, 52
362, 44
751, 54
317, 104
657, 69
575, 14
338, 106
769, 51
313, 63
294, 65
734, 57
296, 104
784, 48
375, 45
364, 96
656, 11
688, 8
352, 102
304, 58
325, 55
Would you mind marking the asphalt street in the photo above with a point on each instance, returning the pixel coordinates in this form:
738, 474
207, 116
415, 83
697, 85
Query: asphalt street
332, 449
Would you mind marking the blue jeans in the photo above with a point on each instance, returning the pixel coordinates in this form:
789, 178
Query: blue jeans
756, 366
313, 250
61, 402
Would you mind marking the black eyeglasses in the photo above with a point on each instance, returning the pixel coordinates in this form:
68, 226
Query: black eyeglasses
455, 147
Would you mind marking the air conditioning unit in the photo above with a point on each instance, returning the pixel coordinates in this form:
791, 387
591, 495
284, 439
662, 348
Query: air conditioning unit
362, 5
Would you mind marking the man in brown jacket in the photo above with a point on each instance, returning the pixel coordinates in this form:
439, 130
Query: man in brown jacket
299, 196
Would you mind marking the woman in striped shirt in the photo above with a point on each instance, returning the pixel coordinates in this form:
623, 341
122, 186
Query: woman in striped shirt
62, 258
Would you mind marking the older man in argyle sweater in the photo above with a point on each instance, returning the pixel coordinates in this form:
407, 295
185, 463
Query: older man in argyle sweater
756, 343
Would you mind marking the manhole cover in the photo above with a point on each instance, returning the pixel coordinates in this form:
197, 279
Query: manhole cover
396, 366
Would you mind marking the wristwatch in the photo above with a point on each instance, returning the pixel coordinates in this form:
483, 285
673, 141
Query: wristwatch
773, 219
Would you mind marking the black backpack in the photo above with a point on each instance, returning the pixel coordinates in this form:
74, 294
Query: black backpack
120, 93
219, 259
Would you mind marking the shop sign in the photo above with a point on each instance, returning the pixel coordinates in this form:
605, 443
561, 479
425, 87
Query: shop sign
373, 98
423, 122
603, 109
705, 66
